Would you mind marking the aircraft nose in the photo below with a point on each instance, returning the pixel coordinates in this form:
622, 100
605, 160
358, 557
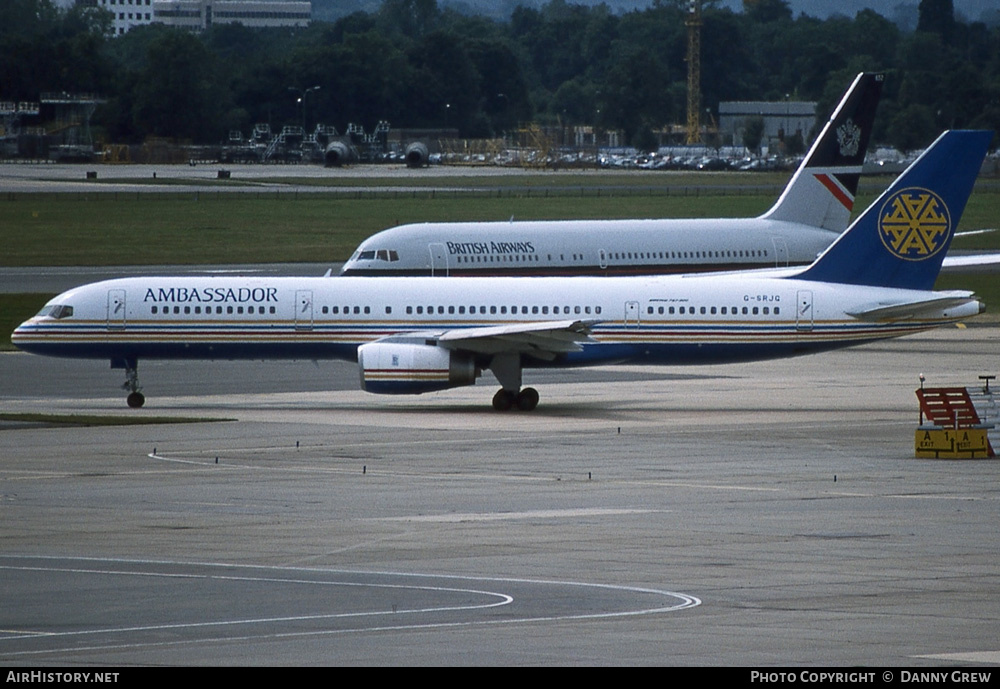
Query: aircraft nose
20, 334
17, 334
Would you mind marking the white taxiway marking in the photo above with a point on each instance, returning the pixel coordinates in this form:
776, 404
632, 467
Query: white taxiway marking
677, 601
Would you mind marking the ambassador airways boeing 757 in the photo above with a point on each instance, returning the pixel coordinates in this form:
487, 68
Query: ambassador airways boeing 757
415, 335
814, 208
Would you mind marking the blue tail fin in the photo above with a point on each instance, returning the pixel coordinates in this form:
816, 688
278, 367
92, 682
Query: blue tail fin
901, 240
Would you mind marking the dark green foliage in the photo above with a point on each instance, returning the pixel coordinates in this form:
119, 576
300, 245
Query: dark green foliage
417, 63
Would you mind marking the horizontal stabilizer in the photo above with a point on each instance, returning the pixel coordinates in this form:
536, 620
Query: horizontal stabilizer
942, 303
972, 263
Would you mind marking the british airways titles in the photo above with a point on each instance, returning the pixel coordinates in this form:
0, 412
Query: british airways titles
457, 248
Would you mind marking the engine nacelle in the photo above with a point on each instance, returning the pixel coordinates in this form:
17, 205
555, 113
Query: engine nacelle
338, 153
416, 154
403, 368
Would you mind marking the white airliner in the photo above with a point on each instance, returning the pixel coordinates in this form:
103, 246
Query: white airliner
814, 208
415, 335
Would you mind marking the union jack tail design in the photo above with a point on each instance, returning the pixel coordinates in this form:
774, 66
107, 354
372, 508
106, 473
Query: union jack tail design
822, 191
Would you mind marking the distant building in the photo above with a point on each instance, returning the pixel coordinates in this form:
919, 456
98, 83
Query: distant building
198, 15
782, 119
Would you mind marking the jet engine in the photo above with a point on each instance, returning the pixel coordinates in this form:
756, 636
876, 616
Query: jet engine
404, 368
338, 153
416, 154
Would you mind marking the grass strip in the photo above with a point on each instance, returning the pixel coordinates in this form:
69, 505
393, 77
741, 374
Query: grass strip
77, 420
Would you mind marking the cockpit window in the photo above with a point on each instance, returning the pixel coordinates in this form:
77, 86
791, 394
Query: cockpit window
379, 255
56, 311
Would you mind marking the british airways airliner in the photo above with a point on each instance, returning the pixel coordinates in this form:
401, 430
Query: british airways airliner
814, 208
420, 334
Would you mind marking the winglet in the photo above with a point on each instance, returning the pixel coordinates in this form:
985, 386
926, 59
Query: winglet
821, 192
902, 238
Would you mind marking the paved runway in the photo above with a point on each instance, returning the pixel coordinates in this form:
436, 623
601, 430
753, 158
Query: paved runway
757, 515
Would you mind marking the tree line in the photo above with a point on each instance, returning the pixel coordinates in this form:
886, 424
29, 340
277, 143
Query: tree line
418, 65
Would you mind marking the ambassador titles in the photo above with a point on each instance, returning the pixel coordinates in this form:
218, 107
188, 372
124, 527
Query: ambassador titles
214, 295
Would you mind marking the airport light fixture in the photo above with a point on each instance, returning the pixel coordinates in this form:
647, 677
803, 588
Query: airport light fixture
301, 100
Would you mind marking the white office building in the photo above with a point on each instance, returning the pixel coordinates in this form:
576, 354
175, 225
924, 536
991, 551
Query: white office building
198, 15
781, 119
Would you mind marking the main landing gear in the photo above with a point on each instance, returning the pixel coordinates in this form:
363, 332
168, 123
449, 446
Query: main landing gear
507, 368
135, 398
525, 400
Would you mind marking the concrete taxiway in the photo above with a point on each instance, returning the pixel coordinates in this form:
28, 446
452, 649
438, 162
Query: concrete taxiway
757, 515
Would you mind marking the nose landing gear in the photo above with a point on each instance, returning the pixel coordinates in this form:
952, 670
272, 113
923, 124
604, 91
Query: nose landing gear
135, 398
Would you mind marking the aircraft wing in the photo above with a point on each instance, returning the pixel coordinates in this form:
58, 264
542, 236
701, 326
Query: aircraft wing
914, 309
542, 340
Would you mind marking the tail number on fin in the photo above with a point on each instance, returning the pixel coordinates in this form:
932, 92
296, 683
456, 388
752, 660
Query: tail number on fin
914, 224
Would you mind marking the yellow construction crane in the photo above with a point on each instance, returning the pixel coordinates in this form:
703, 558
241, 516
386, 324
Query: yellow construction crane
693, 24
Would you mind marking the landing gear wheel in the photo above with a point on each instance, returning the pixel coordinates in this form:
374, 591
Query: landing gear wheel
503, 400
527, 399
135, 400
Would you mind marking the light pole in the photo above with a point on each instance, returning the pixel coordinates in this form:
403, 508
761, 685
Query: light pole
302, 101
